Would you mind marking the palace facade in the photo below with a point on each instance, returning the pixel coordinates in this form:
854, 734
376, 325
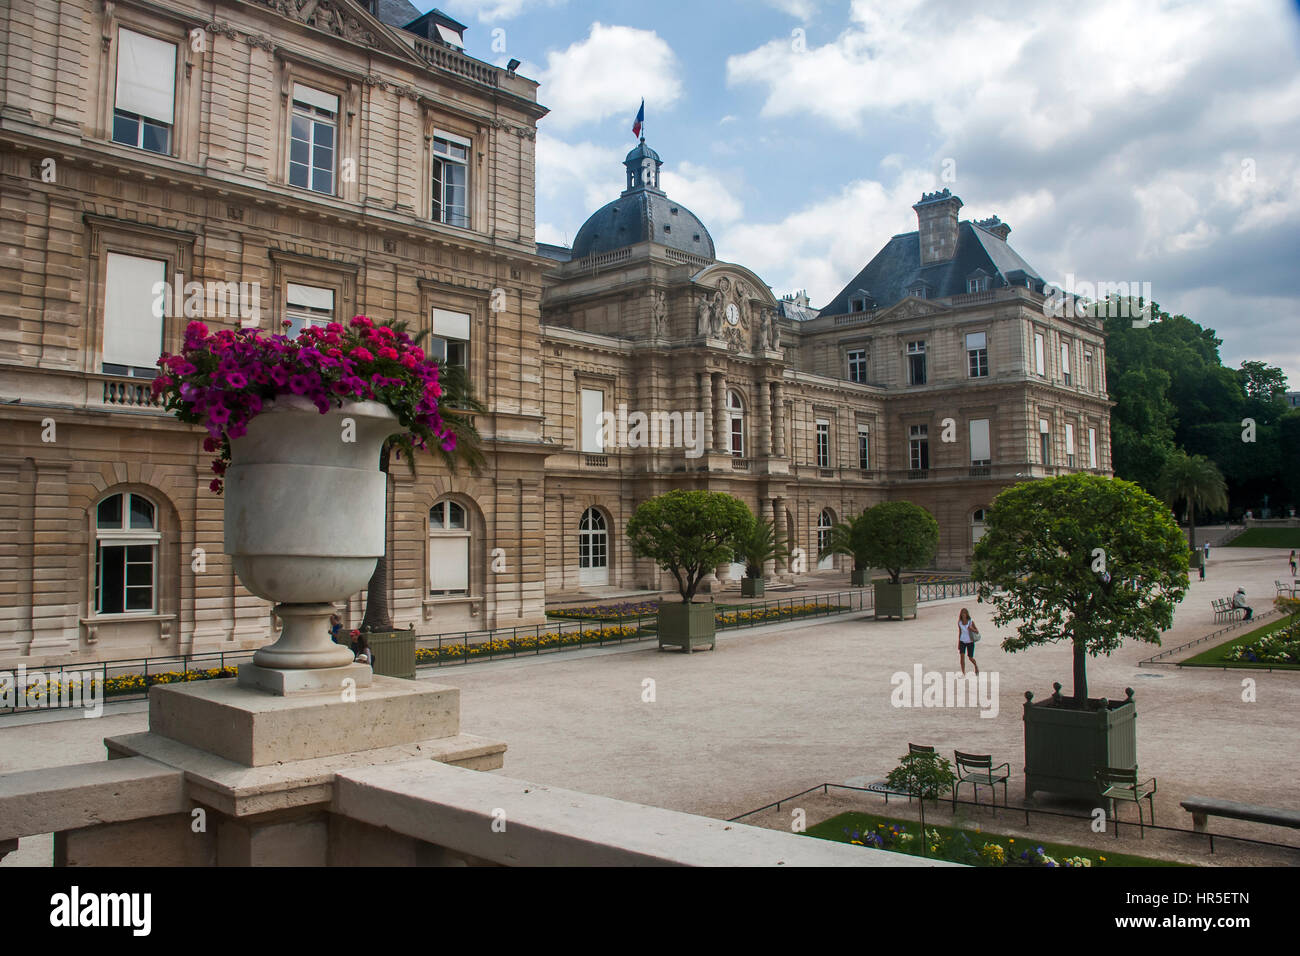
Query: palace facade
305, 160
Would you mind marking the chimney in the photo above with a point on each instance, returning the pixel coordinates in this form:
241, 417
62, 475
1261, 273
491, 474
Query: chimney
936, 218
996, 226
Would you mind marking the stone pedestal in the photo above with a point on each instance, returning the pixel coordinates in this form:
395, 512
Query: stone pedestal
309, 680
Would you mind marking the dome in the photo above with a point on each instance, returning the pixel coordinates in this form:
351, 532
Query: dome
644, 213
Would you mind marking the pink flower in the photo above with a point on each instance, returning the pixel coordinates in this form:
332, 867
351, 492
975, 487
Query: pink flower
362, 355
361, 322
210, 444
215, 486
236, 380
387, 352
299, 384
218, 414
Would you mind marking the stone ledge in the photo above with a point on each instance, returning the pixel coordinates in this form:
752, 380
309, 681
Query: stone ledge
82, 795
241, 791
455, 809
257, 729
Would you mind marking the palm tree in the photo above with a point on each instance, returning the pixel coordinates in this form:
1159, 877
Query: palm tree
758, 545
850, 538
457, 408
1196, 480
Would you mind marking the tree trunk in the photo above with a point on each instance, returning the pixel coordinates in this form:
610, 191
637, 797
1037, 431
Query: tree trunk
1080, 675
923, 838
377, 616
1191, 523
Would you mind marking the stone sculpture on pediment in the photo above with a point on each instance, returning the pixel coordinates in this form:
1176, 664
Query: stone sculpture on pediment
659, 314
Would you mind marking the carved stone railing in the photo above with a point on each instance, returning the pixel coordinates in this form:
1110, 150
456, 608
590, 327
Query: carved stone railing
130, 393
677, 255
448, 59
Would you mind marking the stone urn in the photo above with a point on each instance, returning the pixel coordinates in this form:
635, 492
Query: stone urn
304, 518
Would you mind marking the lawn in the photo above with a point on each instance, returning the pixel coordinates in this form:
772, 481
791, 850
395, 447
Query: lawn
1267, 538
1236, 652
974, 847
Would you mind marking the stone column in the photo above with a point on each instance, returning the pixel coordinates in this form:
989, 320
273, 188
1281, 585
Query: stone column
778, 420
764, 419
721, 433
706, 406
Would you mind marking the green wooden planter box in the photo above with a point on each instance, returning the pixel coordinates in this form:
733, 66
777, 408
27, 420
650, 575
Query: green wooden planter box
751, 587
1195, 557
687, 626
860, 579
1064, 747
394, 653
895, 600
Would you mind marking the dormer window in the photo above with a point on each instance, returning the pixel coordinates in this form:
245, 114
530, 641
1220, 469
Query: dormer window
977, 283
919, 291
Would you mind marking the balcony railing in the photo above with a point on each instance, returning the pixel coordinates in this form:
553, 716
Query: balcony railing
130, 393
596, 461
740, 464
917, 474
448, 59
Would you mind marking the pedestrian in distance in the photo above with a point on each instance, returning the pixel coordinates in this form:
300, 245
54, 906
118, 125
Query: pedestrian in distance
967, 635
1239, 600
1293, 562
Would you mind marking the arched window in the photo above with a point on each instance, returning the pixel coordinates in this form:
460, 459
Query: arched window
126, 554
825, 521
593, 549
449, 537
736, 424
976, 526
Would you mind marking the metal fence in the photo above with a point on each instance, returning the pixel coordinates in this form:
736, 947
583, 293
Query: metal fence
462, 647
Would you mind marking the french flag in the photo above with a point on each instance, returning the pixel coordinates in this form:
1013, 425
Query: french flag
640, 120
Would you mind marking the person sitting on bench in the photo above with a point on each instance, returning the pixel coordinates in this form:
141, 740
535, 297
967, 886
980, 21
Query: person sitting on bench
1239, 600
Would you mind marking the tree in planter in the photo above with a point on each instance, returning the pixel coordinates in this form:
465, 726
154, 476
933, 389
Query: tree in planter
758, 544
458, 408
688, 534
926, 776
897, 535
1196, 480
849, 538
1081, 558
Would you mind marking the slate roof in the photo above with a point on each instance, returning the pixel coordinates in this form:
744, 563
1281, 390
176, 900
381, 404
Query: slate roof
397, 13
638, 216
897, 268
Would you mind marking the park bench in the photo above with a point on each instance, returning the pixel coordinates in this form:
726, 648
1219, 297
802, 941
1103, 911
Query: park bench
1284, 588
978, 771
1115, 783
1202, 807
1223, 609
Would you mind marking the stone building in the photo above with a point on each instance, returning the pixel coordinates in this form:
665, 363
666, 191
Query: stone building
272, 162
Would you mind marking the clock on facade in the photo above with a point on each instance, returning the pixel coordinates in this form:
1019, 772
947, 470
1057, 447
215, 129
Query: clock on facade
733, 313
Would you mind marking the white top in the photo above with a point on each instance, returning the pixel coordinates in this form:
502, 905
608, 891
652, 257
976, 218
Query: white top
965, 631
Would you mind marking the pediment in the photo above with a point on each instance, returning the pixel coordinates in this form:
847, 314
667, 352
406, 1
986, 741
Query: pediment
910, 308
342, 18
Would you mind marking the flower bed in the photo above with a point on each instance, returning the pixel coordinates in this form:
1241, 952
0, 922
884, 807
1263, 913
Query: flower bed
515, 645
1276, 644
607, 612
119, 685
971, 847
725, 616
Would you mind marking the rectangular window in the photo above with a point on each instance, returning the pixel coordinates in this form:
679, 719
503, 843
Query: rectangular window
1040, 360
448, 564
977, 354
823, 443
980, 449
916, 363
124, 578
857, 365
144, 100
305, 306
1092, 448
1089, 377
132, 329
1065, 362
864, 448
313, 139
451, 179
450, 340
593, 404
738, 436
918, 439
1069, 445
1044, 442
980, 284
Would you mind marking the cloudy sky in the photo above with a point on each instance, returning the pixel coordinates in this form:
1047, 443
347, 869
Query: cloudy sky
1131, 140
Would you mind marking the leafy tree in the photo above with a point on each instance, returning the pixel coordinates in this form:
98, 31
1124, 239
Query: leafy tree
898, 535
849, 537
1081, 558
926, 776
1195, 480
688, 533
457, 408
1263, 382
759, 544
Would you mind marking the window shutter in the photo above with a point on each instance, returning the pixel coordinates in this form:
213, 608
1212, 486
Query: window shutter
146, 76
1092, 448
593, 403
323, 101
1069, 438
132, 332
448, 563
976, 340
451, 325
1040, 365
310, 297
979, 440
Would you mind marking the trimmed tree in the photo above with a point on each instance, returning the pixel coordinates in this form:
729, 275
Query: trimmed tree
688, 534
1196, 480
1084, 559
926, 776
898, 535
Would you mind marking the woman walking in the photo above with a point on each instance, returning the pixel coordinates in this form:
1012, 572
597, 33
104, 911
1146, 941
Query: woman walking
967, 635
1293, 562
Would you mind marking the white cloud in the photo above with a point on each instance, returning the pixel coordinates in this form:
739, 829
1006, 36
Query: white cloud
586, 174
491, 11
606, 74
702, 192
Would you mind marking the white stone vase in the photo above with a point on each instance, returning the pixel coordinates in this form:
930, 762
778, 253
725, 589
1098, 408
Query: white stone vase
304, 518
